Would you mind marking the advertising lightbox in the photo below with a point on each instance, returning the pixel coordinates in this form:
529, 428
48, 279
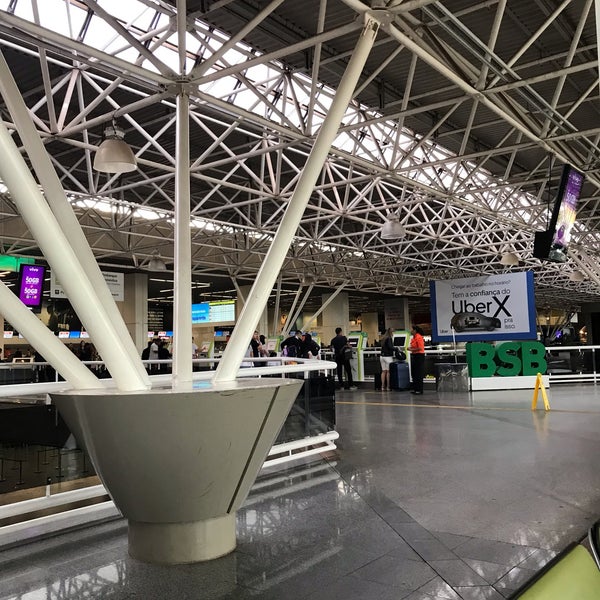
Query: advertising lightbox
490, 308
31, 284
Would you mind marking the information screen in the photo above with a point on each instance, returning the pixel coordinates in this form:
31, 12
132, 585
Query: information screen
31, 282
568, 208
213, 312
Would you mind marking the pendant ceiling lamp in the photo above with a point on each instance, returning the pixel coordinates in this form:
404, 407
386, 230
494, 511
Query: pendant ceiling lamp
577, 276
509, 259
156, 263
114, 155
392, 229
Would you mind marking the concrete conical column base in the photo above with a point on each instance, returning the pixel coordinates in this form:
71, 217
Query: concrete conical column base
177, 543
178, 464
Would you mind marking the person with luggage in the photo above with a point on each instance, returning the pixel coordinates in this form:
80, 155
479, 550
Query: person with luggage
386, 358
417, 359
341, 352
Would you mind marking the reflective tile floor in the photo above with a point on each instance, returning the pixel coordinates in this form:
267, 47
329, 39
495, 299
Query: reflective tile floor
443, 497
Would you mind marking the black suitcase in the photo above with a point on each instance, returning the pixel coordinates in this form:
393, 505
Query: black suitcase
377, 380
399, 376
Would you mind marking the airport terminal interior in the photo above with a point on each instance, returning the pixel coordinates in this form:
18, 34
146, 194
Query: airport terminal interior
178, 174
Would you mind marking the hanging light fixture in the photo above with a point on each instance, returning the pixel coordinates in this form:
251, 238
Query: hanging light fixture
392, 229
509, 259
156, 263
576, 276
114, 155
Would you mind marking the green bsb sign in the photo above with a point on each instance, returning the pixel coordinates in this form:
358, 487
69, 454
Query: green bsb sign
508, 359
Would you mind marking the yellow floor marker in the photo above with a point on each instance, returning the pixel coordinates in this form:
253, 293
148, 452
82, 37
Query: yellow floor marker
539, 384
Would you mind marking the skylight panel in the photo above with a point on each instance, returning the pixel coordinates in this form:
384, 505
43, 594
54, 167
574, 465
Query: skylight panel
67, 21
100, 35
129, 11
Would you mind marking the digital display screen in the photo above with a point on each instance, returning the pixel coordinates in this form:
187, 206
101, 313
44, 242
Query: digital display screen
75, 334
399, 340
63, 334
353, 342
31, 282
567, 211
85, 334
213, 312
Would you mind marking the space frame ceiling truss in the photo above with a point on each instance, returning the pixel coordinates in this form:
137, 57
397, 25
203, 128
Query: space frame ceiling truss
253, 122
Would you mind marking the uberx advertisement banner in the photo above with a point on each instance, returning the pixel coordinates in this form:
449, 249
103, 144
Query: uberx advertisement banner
494, 307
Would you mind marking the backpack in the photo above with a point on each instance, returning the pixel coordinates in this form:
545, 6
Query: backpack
292, 350
315, 349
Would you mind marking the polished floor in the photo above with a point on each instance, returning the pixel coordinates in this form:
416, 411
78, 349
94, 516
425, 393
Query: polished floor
437, 497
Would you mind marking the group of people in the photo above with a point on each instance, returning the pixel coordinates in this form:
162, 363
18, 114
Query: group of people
157, 349
416, 348
343, 356
300, 345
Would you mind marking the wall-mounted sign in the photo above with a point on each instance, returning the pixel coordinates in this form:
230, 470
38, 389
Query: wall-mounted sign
490, 308
115, 282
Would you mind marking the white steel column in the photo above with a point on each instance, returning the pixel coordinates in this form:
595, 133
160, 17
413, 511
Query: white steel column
182, 280
275, 330
62, 257
324, 306
240, 338
122, 346
288, 322
45, 342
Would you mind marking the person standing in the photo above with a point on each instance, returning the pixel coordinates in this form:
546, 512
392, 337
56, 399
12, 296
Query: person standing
153, 356
417, 359
257, 348
309, 348
386, 358
339, 345
291, 345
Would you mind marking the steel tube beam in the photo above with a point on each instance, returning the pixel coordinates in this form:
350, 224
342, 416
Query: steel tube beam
259, 294
45, 342
63, 259
123, 347
182, 280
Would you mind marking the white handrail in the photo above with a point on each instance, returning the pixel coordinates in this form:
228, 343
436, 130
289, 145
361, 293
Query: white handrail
287, 366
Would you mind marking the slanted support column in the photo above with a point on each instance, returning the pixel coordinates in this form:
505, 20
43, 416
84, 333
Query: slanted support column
259, 295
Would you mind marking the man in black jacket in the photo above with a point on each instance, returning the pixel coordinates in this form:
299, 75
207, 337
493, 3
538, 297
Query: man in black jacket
291, 346
340, 347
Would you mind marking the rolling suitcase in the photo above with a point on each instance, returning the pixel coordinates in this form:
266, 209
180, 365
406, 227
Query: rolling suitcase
399, 376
